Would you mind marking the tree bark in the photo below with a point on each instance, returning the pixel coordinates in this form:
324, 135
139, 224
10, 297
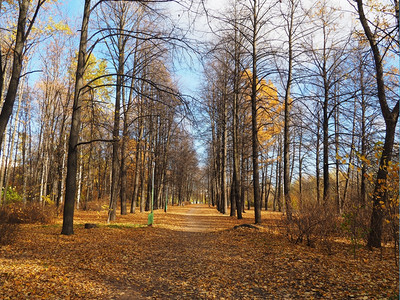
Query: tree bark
286, 137
317, 160
69, 204
391, 117
18, 57
254, 127
115, 179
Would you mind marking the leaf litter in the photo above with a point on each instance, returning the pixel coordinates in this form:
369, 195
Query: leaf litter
191, 252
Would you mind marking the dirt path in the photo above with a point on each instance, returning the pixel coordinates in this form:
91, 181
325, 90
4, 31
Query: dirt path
183, 266
200, 218
195, 222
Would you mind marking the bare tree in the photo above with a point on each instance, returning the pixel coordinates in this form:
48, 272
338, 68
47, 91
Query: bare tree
24, 27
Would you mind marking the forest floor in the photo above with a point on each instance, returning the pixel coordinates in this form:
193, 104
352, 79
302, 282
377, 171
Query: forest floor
191, 252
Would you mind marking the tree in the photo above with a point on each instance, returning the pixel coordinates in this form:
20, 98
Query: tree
24, 28
327, 57
290, 28
72, 162
254, 127
390, 116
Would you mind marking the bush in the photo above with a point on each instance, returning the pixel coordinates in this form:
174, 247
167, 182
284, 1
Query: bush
311, 224
12, 215
95, 205
12, 196
30, 213
8, 231
355, 222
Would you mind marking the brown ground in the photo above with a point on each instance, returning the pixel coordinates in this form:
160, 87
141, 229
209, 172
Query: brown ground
191, 252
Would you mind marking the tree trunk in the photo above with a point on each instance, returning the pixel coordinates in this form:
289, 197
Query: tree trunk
224, 151
391, 117
325, 140
317, 160
137, 170
286, 137
115, 179
300, 168
363, 191
254, 127
18, 57
69, 204
279, 195
123, 169
78, 196
235, 123
337, 161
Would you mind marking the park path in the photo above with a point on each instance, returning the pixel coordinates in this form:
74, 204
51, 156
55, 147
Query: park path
188, 256
201, 218
178, 257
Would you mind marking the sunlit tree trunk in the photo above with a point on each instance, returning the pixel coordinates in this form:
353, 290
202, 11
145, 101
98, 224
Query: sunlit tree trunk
254, 127
115, 179
79, 192
337, 161
69, 204
17, 64
317, 159
138, 162
286, 136
10, 154
391, 117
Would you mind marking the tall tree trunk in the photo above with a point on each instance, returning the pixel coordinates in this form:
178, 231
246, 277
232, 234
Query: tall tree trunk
337, 161
391, 117
137, 168
115, 179
286, 137
268, 181
279, 196
325, 140
18, 58
235, 124
69, 204
142, 182
123, 169
10, 154
243, 178
79, 192
317, 160
363, 188
300, 169
24, 173
224, 151
254, 127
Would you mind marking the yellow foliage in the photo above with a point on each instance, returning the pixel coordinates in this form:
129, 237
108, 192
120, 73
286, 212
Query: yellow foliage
268, 108
53, 26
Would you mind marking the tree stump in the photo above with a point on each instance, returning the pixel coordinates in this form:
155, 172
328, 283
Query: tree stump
246, 226
90, 225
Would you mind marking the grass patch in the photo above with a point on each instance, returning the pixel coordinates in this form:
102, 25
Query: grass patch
123, 225
51, 226
82, 225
